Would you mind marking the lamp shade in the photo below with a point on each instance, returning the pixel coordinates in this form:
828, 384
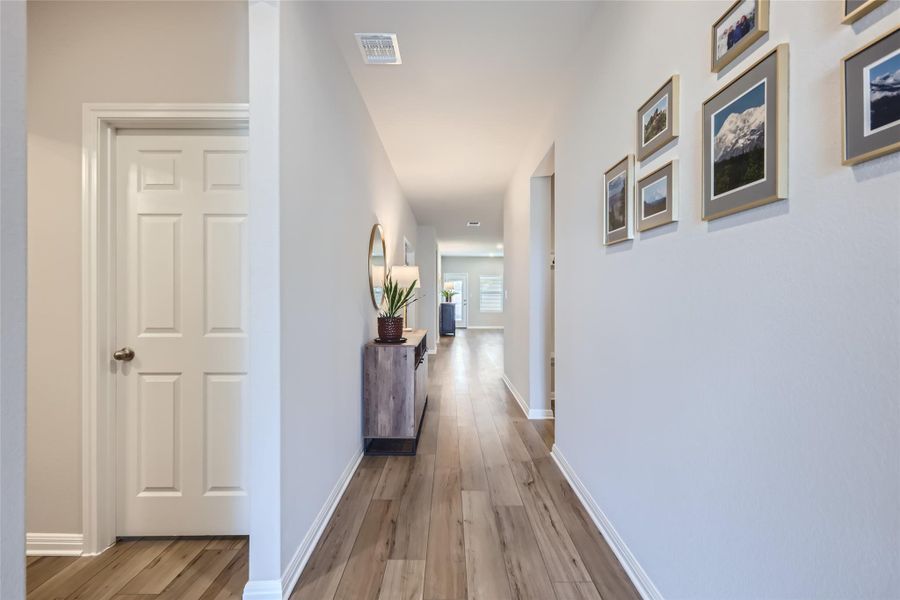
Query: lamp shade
404, 275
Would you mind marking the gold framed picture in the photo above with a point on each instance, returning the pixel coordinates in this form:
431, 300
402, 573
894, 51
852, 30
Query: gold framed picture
656, 197
870, 98
745, 139
618, 216
657, 119
742, 24
857, 9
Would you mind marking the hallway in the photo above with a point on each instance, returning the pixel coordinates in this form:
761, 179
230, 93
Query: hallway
481, 512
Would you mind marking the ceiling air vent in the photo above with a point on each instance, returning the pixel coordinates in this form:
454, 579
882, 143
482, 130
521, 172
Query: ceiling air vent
379, 48
473, 224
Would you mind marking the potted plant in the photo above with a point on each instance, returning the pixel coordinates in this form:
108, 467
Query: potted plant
390, 319
448, 294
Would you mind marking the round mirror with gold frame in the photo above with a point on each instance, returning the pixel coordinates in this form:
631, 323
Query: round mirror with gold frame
377, 265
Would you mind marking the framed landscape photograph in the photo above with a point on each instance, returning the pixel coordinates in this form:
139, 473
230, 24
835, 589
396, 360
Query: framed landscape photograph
856, 9
618, 183
656, 201
871, 99
657, 119
742, 24
745, 132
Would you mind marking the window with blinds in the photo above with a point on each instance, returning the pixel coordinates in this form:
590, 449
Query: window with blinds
490, 289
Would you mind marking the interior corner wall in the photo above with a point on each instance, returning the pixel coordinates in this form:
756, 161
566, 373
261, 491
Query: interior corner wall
427, 260
12, 300
540, 318
516, 280
727, 391
336, 183
527, 329
95, 52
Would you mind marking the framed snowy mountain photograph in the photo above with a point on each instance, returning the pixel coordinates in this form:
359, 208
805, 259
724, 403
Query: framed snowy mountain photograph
745, 139
871, 98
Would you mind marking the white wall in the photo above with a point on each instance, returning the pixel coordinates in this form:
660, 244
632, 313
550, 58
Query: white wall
265, 303
336, 183
12, 300
476, 266
427, 260
95, 52
727, 392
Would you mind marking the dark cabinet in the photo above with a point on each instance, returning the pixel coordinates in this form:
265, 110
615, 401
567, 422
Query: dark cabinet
448, 318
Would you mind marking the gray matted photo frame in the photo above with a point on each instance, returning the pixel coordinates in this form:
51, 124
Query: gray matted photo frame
857, 145
854, 10
647, 216
665, 101
759, 29
618, 202
728, 170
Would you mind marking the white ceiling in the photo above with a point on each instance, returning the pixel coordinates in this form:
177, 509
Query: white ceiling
477, 81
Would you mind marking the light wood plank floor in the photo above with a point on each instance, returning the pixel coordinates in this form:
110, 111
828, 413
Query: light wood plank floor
482, 512
145, 569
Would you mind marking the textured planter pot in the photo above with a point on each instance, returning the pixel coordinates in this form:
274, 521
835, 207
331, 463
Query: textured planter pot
390, 329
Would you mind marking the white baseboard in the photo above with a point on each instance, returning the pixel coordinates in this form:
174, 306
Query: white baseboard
282, 590
535, 414
530, 413
635, 572
54, 544
485, 327
263, 590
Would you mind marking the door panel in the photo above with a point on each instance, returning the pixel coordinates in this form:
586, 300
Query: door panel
183, 308
225, 291
159, 283
225, 440
159, 434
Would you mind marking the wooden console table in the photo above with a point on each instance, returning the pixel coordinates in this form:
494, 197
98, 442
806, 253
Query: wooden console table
395, 392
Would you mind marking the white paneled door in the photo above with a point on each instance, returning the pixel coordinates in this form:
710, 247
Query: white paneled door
459, 282
182, 294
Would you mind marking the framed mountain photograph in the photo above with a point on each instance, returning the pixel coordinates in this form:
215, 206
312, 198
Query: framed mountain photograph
618, 183
871, 99
656, 197
745, 132
742, 24
657, 119
856, 9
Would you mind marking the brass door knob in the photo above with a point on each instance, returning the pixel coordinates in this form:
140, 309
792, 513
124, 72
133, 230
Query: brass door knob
124, 354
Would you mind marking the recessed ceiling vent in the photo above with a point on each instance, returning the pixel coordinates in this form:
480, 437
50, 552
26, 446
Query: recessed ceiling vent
379, 48
473, 224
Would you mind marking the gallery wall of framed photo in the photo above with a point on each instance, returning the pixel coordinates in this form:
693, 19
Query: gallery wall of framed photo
747, 322
745, 123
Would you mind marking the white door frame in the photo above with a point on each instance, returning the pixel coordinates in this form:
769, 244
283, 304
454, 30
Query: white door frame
465, 299
98, 286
